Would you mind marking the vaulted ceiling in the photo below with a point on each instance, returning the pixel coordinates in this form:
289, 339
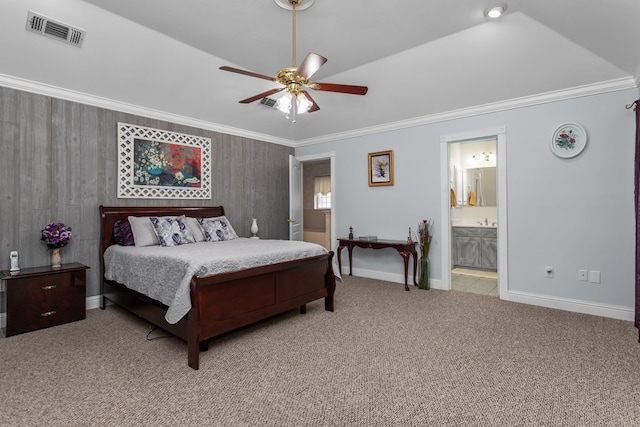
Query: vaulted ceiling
423, 60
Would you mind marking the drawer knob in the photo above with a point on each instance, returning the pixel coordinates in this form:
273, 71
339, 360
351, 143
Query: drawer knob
49, 287
48, 313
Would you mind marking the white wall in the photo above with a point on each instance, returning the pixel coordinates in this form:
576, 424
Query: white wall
567, 213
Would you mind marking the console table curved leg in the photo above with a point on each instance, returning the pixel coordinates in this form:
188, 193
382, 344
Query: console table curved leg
405, 258
340, 248
415, 266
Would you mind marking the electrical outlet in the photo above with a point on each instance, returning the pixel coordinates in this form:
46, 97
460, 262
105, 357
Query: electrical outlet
548, 271
582, 275
594, 276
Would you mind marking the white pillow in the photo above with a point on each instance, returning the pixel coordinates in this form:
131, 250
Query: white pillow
142, 229
193, 225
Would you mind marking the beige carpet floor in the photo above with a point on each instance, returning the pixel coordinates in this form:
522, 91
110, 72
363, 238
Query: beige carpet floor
385, 357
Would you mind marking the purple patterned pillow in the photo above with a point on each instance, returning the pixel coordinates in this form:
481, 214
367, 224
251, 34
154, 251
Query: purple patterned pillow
122, 233
217, 229
172, 232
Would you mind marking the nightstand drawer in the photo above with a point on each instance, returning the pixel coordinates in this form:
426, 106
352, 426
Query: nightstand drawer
40, 315
41, 289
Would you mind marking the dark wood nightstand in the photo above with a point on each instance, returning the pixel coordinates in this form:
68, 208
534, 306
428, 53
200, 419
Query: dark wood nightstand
41, 297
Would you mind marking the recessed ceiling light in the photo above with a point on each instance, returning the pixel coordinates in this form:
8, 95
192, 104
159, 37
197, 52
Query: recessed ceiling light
495, 11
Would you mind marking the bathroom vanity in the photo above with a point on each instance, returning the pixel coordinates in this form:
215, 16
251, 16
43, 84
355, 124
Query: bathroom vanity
475, 247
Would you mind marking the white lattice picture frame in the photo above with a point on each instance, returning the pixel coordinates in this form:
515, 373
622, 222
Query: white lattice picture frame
158, 164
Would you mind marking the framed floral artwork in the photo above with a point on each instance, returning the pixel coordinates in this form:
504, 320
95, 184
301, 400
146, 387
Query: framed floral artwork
568, 140
158, 164
381, 168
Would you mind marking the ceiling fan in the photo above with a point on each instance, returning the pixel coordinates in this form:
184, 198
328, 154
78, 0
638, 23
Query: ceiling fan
296, 78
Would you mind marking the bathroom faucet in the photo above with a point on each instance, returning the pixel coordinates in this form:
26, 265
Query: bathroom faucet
486, 221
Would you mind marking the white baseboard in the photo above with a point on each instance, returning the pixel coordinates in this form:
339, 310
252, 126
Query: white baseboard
93, 302
567, 304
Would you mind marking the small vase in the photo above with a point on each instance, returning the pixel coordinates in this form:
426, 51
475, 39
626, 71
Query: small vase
55, 258
254, 228
424, 273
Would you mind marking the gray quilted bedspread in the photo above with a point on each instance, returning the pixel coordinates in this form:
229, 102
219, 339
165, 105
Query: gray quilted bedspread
164, 273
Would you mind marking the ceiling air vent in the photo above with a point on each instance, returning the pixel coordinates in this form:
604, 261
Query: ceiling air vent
57, 30
268, 102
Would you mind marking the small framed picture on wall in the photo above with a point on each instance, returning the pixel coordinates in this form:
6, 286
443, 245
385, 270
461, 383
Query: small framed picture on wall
381, 168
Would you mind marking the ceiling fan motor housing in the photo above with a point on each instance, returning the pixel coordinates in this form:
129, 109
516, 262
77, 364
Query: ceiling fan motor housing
287, 77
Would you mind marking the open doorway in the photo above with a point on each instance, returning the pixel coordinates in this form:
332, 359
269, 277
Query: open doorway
474, 216
316, 202
320, 208
474, 227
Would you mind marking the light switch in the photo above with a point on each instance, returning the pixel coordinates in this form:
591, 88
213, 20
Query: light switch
594, 276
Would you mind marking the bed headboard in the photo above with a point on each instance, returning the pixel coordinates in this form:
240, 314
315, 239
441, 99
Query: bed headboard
110, 214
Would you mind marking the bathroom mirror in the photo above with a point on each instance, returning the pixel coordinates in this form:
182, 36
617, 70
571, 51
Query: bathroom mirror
482, 182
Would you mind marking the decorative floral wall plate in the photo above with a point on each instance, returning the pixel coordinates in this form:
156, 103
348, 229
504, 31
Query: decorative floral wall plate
568, 140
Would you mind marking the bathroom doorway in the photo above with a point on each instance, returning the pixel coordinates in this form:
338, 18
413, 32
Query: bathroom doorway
474, 214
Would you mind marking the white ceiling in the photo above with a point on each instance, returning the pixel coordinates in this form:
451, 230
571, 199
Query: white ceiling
423, 60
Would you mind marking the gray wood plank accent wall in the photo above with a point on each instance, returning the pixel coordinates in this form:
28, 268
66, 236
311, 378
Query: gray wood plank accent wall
58, 163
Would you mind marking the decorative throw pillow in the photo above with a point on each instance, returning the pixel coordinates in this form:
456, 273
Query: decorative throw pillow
217, 229
122, 233
172, 232
143, 234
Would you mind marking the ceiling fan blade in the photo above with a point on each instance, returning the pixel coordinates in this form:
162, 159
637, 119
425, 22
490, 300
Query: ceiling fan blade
310, 64
261, 95
247, 73
314, 106
332, 87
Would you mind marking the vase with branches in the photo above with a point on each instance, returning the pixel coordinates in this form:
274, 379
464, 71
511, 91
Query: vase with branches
423, 238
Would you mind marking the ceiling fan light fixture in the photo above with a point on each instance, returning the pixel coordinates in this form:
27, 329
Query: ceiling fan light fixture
302, 104
284, 103
495, 11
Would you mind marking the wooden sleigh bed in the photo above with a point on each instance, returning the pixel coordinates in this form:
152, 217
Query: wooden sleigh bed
223, 302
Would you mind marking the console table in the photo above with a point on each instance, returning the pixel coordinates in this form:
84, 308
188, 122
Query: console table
403, 248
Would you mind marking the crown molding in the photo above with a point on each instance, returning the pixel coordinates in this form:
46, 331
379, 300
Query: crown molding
630, 82
512, 104
97, 101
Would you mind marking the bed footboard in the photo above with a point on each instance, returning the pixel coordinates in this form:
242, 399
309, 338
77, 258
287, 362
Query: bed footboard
229, 301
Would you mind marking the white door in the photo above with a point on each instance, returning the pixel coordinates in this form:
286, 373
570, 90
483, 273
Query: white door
295, 199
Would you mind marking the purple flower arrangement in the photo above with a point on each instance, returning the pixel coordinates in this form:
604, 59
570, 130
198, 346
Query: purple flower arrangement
56, 235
